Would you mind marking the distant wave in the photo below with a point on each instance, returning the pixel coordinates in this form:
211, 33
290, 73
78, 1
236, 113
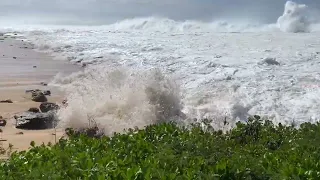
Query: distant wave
168, 25
296, 18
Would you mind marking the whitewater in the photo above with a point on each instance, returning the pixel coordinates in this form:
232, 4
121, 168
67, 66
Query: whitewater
146, 70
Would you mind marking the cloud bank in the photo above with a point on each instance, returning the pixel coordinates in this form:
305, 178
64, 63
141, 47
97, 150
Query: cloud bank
110, 11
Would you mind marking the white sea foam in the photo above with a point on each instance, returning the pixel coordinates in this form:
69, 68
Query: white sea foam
220, 75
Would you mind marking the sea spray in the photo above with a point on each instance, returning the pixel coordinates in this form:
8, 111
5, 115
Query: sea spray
120, 98
294, 18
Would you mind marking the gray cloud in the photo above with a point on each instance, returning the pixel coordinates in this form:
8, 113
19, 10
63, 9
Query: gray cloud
107, 11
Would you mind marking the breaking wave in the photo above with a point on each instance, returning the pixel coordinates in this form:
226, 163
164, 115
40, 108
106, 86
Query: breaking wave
120, 98
161, 24
294, 18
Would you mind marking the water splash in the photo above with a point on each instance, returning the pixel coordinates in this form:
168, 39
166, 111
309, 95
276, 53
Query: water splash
294, 18
120, 98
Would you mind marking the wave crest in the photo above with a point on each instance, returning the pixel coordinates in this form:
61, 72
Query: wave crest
160, 24
294, 18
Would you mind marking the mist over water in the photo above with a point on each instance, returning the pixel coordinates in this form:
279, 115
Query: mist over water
103, 12
294, 18
151, 61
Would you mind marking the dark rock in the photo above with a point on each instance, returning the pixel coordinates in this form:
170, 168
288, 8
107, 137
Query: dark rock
20, 133
38, 96
47, 93
93, 132
65, 103
34, 109
35, 91
3, 122
14, 57
180, 114
34, 121
79, 61
46, 107
229, 78
6, 101
270, 61
44, 84
34, 66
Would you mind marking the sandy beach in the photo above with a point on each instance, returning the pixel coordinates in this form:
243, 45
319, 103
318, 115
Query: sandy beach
21, 69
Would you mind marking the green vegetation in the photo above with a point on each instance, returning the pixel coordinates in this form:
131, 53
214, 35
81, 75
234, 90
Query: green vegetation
255, 150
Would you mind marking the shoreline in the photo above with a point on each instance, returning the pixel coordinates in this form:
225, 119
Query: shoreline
22, 68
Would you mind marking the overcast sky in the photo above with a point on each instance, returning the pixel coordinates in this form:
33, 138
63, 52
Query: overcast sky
108, 11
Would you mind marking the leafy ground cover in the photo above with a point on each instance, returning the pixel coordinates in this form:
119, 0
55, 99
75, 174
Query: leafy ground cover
255, 150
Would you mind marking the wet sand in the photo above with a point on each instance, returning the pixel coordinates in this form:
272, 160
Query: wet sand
21, 69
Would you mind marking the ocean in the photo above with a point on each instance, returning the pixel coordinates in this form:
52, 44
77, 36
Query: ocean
145, 70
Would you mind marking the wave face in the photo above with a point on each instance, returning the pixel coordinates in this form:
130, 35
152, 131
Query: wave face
147, 70
161, 24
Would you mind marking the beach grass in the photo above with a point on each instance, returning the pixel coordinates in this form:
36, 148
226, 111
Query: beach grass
257, 149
